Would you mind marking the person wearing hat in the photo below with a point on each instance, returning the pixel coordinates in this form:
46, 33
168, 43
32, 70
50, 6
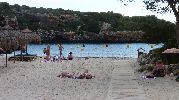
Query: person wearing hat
70, 56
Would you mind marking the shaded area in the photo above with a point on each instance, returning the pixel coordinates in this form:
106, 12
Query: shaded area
23, 57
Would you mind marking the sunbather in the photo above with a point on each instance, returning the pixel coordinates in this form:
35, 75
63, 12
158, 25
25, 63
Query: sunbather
158, 71
86, 75
66, 75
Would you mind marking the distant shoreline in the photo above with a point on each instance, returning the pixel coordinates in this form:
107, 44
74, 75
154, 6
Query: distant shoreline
96, 42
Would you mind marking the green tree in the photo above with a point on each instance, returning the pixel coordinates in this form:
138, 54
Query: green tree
163, 6
17, 8
5, 9
93, 26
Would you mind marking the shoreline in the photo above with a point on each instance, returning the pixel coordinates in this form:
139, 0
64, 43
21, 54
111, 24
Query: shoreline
9, 55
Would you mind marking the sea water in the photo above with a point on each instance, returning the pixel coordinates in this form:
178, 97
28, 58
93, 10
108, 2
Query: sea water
93, 50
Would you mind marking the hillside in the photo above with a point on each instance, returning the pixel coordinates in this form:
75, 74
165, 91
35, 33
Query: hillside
46, 20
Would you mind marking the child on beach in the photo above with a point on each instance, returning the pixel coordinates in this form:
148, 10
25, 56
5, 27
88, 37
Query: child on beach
55, 58
70, 56
44, 50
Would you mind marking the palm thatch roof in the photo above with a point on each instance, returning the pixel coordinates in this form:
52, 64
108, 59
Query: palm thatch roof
26, 31
172, 50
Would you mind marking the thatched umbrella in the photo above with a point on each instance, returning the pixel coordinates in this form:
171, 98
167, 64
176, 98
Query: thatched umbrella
6, 39
172, 50
28, 38
172, 55
11, 39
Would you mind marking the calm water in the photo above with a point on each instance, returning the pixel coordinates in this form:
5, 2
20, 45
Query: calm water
95, 50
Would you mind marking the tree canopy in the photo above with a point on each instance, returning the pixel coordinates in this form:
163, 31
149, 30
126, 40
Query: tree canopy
163, 6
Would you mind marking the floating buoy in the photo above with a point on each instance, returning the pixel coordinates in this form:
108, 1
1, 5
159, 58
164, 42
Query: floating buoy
83, 45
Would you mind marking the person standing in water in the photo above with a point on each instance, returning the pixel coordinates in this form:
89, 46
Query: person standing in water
48, 52
60, 49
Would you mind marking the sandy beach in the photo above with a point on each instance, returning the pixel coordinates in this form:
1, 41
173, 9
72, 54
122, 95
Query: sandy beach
115, 79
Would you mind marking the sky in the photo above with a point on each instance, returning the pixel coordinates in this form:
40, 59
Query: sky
132, 9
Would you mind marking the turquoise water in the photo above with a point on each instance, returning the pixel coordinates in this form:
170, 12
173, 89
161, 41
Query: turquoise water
94, 50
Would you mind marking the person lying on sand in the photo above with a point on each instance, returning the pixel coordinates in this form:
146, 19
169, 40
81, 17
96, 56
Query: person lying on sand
158, 71
66, 75
84, 75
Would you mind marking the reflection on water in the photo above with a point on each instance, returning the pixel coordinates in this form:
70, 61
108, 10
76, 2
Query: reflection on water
94, 50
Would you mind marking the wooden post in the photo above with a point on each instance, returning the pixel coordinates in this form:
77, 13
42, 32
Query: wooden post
6, 58
14, 56
21, 55
26, 48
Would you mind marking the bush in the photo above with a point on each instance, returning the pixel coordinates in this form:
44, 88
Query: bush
176, 72
142, 69
147, 68
150, 68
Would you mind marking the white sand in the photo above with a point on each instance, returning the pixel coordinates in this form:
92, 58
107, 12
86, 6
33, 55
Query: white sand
37, 81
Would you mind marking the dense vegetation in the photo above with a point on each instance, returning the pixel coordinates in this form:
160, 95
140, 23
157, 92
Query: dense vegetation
156, 30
